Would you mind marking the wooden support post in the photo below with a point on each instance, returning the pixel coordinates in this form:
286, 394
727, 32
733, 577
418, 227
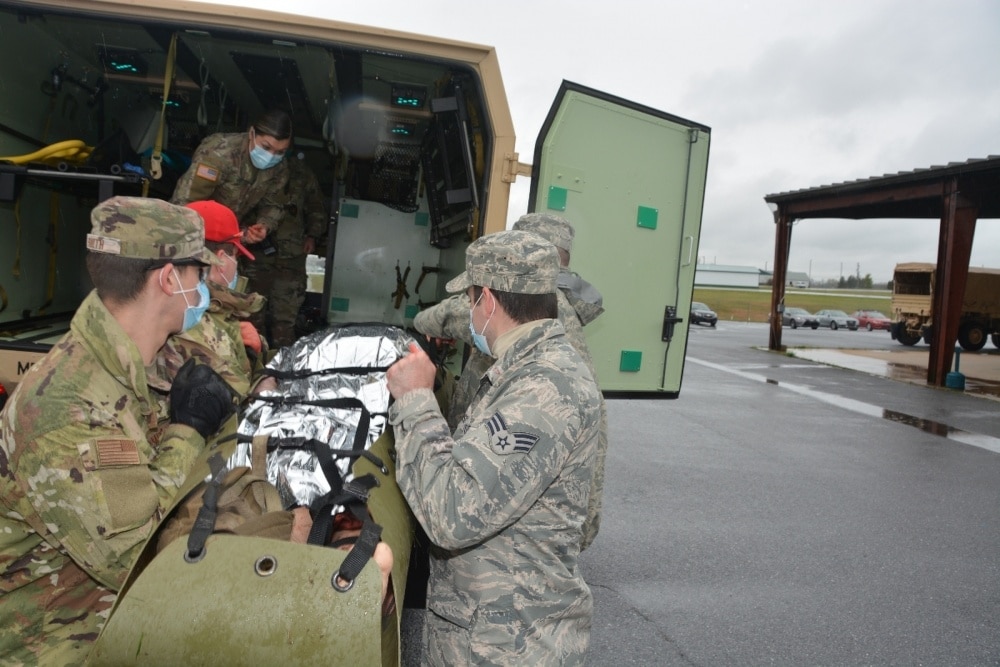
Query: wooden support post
958, 227
782, 243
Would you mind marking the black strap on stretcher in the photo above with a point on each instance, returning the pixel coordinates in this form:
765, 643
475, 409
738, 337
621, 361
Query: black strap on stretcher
352, 495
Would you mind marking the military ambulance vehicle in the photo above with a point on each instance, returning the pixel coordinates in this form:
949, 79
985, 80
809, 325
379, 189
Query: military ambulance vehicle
913, 285
412, 140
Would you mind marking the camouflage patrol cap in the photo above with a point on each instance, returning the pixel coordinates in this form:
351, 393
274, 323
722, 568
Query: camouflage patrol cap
147, 228
556, 230
510, 261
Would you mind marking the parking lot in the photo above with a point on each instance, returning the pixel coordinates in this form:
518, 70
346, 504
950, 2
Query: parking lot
787, 512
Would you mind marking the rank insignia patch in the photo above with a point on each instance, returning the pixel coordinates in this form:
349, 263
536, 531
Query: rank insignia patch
504, 442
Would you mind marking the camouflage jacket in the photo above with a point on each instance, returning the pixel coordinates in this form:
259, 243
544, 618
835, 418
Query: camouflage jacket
221, 171
504, 501
88, 463
304, 211
216, 340
450, 319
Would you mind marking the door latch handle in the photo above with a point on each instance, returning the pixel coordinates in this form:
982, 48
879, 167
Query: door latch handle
669, 320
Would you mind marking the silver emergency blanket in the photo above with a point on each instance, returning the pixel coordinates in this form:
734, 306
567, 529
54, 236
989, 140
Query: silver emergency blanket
293, 468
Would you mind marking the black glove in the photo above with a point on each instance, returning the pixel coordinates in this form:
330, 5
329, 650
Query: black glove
200, 398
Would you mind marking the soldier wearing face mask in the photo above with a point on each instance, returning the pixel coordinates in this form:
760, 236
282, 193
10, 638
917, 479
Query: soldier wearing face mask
92, 452
245, 171
224, 338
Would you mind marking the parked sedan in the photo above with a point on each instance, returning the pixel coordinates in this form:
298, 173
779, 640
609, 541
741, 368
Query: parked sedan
872, 319
798, 317
702, 314
836, 319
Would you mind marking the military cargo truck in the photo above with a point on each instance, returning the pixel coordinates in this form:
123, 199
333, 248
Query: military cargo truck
913, 287
412, 140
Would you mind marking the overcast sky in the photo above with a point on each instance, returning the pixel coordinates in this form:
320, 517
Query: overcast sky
798, 94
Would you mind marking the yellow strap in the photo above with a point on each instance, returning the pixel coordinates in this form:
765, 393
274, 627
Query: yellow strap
156, 159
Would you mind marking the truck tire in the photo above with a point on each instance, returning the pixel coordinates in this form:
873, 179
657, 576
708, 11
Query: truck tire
972, 336
905, 338
833, 325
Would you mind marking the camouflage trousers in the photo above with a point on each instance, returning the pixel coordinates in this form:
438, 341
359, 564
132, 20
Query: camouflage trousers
283, 281
73, 608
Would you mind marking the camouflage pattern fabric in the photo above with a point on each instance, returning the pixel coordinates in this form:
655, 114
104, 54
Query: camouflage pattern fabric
88, 465
450, 319
281, 277
221, 171
143, 228
504, 501
586, 300
511, 261
215, 340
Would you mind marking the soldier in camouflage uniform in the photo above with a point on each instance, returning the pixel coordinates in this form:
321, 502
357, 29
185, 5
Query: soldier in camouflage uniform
579, 304
281, 276
90, 454
223, 338
505, 498
245, 171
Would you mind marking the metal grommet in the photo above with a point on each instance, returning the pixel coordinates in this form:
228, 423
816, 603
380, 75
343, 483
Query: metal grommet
194, 558
265, 566
335, 582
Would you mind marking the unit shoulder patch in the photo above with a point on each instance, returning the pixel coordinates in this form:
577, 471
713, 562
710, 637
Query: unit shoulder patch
503, 441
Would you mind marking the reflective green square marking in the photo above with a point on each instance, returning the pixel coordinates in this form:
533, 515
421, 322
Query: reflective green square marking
349, 210
557, 198
421, 219
340, 304
631, 361
411, 311
647, 217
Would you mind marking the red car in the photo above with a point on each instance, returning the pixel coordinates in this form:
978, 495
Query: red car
872, 319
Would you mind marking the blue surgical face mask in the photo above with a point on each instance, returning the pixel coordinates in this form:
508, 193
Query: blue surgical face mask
236, 273
261, 157
192, 314
479, 339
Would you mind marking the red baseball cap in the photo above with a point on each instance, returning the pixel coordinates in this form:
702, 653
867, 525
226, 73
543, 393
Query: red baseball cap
221, 225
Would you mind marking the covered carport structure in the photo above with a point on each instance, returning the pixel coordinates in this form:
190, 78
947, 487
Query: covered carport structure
957, 194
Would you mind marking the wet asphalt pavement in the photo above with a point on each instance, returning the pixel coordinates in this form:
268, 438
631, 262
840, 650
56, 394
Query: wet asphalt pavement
783, 512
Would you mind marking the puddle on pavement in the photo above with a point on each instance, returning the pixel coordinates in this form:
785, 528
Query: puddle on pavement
888, 369
926, 425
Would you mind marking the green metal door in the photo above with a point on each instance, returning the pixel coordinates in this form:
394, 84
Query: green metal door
631, 179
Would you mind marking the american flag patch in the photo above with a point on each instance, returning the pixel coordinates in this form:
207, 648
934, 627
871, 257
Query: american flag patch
206, 172
117, 452
503, 441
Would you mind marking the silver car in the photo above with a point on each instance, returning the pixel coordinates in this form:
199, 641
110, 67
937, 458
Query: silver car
836, 319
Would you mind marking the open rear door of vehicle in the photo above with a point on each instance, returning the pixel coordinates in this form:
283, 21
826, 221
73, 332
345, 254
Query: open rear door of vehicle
631, 179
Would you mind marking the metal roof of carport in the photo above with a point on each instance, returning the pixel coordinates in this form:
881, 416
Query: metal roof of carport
957, 194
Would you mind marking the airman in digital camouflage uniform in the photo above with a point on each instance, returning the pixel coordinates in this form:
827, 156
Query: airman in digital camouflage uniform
505, 498
245, 171
281, 276
224, 338
579, 304
90, 454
